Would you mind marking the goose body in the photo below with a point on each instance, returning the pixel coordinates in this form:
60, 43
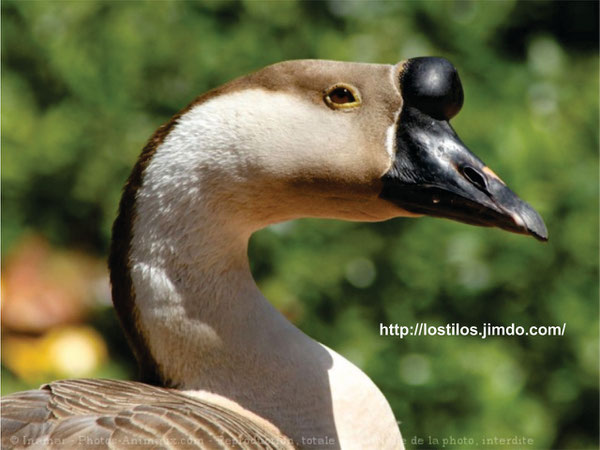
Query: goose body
219, 365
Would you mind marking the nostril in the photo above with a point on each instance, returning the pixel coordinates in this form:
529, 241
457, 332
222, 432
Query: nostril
475, 177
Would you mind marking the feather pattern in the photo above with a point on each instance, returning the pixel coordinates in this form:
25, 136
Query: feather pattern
111, 414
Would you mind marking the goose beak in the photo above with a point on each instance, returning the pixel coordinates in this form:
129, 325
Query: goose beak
434, 173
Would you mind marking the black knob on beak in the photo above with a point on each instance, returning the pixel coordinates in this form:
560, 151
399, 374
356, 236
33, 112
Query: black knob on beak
433, 172
432, 85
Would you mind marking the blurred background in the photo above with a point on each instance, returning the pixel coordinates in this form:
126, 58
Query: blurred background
86, 83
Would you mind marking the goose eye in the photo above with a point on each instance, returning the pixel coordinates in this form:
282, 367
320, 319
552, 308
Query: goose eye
340, 97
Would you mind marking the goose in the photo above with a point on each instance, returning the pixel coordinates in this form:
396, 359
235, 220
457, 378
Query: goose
220, 367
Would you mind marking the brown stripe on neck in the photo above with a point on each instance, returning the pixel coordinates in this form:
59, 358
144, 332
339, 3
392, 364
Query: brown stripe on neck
123, 292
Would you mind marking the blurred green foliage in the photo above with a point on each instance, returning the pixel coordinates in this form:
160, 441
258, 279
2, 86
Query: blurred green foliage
85, 83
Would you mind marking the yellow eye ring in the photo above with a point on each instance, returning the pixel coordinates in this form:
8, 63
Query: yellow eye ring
342, 96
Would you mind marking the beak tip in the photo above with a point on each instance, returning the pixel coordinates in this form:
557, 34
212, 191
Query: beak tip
541, 235
534, 224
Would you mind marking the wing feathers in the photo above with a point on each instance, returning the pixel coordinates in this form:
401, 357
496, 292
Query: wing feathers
110, 414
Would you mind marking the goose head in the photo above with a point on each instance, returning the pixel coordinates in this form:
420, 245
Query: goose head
343, 140
296, 139
305, 138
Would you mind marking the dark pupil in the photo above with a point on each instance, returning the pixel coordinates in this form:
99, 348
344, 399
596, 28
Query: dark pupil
341, 95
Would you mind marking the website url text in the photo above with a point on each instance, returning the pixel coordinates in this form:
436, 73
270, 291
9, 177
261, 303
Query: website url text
456, 329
